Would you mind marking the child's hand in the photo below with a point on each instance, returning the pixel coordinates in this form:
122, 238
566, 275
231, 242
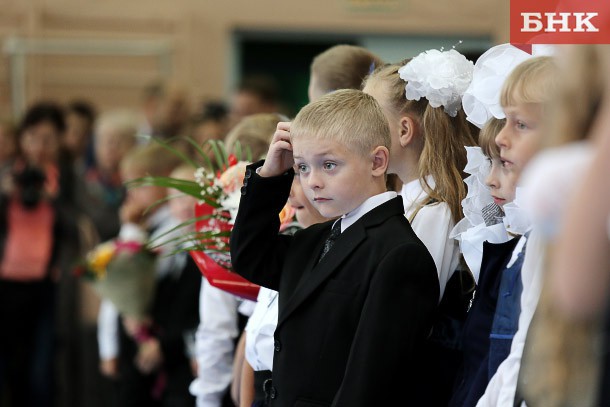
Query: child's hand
149, 356
133, 327
109, 368
131, 212
279, 158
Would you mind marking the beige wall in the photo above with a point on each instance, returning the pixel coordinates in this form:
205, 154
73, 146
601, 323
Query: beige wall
199, 33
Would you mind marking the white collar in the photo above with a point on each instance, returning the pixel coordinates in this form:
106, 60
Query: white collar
371, 203
516, 219
413, 191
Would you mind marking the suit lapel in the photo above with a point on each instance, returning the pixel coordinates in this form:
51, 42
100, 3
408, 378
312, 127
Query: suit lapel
314, 275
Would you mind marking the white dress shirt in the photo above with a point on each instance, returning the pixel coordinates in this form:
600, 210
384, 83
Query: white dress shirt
260, 329
371, 203
214, 344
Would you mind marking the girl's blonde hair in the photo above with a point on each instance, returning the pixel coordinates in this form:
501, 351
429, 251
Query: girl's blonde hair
487, 137
443, 139
532, 81
254, 132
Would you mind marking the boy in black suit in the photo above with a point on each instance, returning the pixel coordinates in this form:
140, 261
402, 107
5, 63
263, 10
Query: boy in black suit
357, 295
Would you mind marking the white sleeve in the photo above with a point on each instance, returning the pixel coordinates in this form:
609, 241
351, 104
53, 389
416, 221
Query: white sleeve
108, 330
501, 389
433, 225
214, 345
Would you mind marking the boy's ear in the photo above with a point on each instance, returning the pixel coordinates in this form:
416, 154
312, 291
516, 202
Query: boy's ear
407, 131
381, 157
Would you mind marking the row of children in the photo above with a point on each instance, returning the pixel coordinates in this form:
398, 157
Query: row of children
374, 309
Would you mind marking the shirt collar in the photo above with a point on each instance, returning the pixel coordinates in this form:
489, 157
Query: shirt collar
371, 203
413, 192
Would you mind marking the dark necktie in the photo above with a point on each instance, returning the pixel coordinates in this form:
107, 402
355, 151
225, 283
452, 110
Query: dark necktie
330, 240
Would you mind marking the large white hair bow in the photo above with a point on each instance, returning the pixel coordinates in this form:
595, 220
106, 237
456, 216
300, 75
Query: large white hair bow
441, 77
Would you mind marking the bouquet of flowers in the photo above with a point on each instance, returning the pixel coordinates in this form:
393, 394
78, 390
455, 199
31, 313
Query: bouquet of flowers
122, 272
218, 189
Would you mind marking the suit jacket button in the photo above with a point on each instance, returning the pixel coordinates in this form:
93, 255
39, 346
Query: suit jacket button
277, 345
273, 393
243, 190
248, 173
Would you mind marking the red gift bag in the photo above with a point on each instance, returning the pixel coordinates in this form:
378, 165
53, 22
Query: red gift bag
219, 276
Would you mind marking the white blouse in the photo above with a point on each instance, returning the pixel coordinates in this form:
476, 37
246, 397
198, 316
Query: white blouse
260, 330
433, 225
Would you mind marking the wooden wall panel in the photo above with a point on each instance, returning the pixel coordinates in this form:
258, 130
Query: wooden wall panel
199, 32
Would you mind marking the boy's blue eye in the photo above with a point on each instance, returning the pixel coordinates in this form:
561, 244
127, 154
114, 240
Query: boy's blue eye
302, 169
329, 166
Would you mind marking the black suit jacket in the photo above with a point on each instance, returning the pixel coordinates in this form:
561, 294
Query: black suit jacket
350, 329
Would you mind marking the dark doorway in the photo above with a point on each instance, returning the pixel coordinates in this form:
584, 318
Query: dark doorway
285, 59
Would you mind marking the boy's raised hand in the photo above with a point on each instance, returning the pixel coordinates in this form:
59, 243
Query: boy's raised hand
279, 157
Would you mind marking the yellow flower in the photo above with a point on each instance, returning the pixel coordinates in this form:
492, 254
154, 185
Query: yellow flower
100, 257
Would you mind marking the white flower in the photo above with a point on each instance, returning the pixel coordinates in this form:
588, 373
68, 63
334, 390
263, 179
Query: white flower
230, 202
481, 100
200, 176
441, 77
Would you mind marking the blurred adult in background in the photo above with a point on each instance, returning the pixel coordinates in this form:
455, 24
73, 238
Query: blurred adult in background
212, 123
254, 94
78, 138
37, 242
104, 192
166, 109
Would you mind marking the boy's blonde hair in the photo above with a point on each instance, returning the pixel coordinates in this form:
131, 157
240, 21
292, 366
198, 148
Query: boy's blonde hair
442, 139
349, 117
152, 159
254, 132
122, 122
343, 67
532, 81
487, 137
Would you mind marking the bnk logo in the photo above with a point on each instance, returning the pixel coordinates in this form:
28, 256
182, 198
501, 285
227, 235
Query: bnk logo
560, 21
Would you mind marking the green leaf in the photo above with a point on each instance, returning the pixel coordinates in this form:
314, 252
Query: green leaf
218, 150
188, 222
176, 152
237, 150
207, 163
187, 187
